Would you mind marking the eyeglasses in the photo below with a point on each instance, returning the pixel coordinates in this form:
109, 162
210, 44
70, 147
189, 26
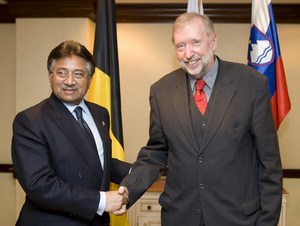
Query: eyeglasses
63, 74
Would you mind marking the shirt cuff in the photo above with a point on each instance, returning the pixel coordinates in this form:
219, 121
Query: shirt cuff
102, 203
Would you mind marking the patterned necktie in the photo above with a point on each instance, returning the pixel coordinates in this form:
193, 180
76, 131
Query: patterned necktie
84, 125
200, 97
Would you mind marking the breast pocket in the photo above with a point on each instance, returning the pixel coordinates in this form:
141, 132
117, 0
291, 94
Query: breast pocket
237, 132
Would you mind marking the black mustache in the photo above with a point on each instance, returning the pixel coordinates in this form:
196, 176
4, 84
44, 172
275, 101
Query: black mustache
69, 87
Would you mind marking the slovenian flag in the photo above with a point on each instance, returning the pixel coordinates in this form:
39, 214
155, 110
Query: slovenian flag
264, 56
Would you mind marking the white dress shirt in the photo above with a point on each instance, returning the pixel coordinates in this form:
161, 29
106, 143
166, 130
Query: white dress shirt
86, 114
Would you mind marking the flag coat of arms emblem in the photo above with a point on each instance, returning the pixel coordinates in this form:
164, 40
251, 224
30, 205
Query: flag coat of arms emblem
264, 56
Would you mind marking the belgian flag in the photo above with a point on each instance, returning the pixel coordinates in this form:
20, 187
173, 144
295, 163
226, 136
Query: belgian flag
105, 88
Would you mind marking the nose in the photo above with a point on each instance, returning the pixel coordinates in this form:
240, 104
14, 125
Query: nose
70, 80
188, 52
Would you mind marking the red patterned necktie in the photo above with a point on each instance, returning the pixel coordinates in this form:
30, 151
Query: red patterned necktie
200, 97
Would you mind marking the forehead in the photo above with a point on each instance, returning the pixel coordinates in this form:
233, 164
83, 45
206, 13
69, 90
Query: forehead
191, 30
71, 62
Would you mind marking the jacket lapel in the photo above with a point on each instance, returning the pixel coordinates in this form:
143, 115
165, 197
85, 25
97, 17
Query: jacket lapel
102, 124
221, 97
181, 105
75, 134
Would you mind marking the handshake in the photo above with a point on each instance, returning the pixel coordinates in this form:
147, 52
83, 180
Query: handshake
116, 201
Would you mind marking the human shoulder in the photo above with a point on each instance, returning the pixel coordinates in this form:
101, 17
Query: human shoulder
239, 70
94, 105
33, 116
96, 109
171, 78
35, 109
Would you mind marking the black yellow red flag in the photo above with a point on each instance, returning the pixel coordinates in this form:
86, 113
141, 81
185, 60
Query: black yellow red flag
105, 88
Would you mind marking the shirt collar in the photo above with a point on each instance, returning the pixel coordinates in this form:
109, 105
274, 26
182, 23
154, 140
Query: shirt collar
71, 107
209, 77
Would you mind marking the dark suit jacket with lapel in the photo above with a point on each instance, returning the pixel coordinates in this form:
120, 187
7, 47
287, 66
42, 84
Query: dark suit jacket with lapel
58, 167
234, 176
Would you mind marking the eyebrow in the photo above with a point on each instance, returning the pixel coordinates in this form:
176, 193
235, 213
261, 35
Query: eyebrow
62, 68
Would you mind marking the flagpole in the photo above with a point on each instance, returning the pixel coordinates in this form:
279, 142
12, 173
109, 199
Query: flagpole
195, 6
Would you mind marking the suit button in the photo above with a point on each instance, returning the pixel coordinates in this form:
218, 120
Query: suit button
203, 124
200, 160
79, 175
198, 211
201, 186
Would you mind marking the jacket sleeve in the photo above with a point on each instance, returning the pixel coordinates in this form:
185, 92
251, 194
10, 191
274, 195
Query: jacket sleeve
119, 170
270, 170
151, 158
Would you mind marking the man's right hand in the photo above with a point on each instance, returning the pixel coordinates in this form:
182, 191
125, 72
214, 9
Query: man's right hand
115, 202
123, 191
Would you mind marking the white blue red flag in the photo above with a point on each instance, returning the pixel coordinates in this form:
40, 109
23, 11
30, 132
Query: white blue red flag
264, 56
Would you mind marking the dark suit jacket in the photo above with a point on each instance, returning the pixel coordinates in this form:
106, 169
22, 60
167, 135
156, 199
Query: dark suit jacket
234, 176
58, 167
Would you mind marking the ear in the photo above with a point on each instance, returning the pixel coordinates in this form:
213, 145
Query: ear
90, 81
214, 42
49, 77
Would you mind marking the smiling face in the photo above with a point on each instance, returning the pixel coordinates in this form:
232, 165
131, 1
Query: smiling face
195, 48
70, 89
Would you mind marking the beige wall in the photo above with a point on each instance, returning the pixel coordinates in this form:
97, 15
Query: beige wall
23, 74
7, 100
7, 87
145, 55
204, 1
35, 38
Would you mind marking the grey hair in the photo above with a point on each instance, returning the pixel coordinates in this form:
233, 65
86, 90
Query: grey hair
186, 18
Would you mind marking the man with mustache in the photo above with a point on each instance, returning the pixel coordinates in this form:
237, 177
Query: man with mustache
211, 123
61, 149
